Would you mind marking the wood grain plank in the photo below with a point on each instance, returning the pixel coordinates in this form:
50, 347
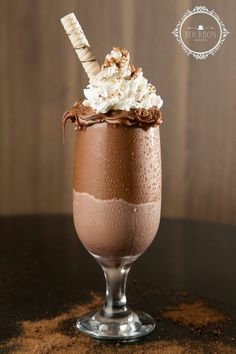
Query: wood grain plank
41, 77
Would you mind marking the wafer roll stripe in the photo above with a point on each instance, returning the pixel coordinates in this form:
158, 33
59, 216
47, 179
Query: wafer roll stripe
80, 44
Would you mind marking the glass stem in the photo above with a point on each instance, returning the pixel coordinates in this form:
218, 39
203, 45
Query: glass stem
116, 278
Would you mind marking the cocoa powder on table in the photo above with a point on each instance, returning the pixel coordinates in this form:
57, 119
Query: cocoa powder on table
47, 336
196, 313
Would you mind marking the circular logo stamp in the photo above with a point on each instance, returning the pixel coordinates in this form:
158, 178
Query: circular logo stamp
200, 32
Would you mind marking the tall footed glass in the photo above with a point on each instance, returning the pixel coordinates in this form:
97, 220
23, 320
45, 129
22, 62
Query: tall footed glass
116, 207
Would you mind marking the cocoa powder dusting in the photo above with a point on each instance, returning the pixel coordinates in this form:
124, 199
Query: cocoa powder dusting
197, 314
47, 336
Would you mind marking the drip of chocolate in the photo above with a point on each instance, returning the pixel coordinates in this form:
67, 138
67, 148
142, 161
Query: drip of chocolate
83, 116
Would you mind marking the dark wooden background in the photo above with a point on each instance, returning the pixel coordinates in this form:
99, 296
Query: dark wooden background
41, 77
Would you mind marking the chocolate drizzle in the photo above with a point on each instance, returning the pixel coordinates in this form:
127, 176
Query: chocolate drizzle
83, 116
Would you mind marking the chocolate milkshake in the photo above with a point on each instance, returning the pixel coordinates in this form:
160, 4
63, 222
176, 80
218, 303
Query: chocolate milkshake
117, 166
117, 189
117, 184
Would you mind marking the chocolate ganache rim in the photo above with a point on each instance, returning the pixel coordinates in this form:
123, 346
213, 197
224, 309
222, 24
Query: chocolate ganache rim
84, 116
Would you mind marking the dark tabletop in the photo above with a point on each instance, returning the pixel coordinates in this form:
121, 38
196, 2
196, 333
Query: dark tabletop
44, 270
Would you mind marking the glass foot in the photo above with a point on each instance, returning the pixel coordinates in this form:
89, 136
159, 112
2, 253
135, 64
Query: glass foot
132, 326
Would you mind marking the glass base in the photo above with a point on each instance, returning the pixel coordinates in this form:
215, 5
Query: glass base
127, 328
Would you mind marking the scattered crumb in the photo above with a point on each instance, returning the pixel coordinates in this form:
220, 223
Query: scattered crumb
181, 293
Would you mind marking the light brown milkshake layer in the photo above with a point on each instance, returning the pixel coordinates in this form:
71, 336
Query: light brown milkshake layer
118, 162
115, 228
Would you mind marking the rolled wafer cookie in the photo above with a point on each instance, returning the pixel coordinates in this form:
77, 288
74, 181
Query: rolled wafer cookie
80, 44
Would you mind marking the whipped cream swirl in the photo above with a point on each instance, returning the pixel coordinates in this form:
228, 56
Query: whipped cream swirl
120, 86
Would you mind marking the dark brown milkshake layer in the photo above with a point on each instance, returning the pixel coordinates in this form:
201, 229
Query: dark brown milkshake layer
118, 162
